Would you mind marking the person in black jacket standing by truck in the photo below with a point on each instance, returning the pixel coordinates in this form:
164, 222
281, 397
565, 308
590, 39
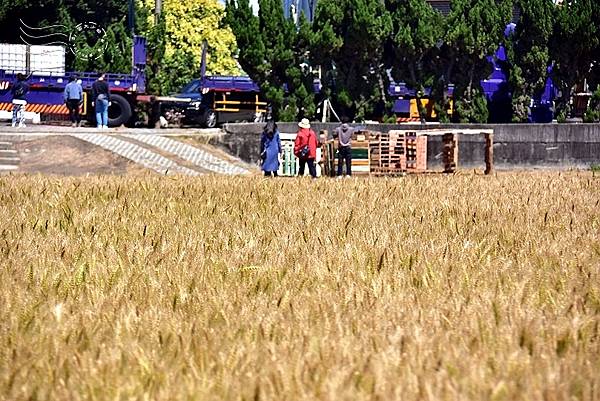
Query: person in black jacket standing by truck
19, 92
101, 100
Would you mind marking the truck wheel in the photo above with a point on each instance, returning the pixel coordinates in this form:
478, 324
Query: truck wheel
119, 112
210, 119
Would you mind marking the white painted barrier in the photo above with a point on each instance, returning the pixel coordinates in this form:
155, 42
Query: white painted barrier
29, 116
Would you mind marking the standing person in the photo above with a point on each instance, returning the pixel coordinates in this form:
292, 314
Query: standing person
343, 133
305, 148
73, 99
270, 149
101, 100
19, 92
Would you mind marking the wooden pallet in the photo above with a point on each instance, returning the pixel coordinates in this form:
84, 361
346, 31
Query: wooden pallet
450, 152
388, 153
416, 152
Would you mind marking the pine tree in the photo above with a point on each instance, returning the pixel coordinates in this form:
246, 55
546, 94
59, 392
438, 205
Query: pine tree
572, 45
272, 52
348, 46
473, 31
528, 54
414, 46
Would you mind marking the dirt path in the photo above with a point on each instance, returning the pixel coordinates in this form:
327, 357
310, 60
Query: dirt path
110, 152
66, 155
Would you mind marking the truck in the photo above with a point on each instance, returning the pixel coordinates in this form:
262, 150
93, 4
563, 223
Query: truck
207, 101
213, 99
46, 93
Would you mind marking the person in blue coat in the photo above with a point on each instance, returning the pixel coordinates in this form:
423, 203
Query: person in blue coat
270, 149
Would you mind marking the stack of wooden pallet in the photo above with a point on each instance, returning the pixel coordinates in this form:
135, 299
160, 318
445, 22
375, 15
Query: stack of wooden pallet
388, 153
416, 152
377, 153
398, 152
450, 152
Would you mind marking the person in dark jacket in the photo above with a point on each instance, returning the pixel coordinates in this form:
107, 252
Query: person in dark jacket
270, 145
343, 133
305, 148
19, 92
101, 100
73, 96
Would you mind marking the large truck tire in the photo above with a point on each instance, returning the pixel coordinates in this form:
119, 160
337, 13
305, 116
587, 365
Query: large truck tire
210, 119
119, 112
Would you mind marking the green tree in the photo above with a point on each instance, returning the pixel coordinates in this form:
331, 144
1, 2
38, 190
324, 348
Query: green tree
473, 31
592, 114
111, 53
273, 52
246, 28
572, 46
414, 45
348, 45
66, 22
528, 54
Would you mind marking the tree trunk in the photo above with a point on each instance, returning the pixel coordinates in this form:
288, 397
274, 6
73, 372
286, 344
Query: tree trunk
448, 80
413, 76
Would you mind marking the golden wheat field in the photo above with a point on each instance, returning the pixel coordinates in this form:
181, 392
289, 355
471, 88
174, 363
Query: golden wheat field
464, 287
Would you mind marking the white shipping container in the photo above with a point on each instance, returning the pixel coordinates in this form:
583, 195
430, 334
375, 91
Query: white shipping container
13, 57
45, 60
41, 60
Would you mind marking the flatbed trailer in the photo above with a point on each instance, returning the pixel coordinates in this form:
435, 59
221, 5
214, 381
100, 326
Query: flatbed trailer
46, 90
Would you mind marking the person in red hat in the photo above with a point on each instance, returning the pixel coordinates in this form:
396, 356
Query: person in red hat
305, 148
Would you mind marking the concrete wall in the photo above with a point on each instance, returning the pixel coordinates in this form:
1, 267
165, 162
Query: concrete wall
515, 145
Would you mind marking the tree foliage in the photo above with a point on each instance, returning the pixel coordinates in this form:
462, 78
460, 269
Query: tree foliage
176, 42
573, 43
273, 51
353, 46
71, 23
348, 46
414, 44
528, 54
473, 31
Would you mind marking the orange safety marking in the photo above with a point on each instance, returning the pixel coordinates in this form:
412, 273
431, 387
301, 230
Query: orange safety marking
38, 108
407, 119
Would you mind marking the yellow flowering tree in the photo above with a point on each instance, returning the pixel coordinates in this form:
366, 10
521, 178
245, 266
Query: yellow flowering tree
175, 43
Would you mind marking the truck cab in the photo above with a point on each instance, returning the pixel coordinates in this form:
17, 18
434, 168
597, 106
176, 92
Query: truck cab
214, 100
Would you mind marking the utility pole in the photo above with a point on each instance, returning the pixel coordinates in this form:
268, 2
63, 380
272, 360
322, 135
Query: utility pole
131, 17
157, 11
